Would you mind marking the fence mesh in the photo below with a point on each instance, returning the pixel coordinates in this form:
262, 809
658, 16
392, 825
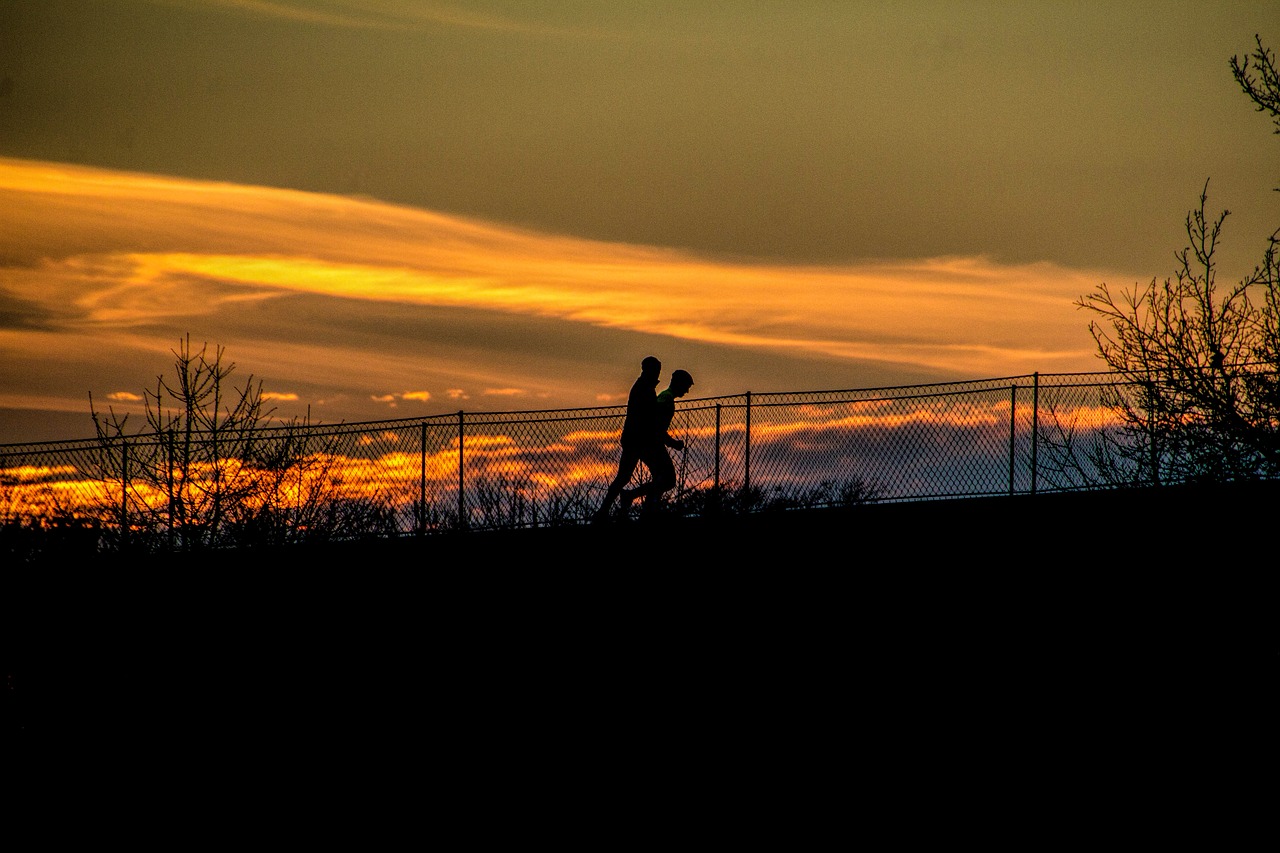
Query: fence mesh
482, 470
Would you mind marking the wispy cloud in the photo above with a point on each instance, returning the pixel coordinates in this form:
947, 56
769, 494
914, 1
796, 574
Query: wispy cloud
330, 14
387, 15
101, 260
212, 245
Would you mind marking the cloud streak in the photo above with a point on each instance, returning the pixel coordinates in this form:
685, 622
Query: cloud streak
382, 15
110, 262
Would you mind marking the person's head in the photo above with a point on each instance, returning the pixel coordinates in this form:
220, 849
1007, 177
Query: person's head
681, 382
650, 366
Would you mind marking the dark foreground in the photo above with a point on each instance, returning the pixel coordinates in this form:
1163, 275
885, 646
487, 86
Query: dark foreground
1069, 633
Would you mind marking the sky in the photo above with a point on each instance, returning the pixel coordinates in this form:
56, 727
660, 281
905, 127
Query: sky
391, 208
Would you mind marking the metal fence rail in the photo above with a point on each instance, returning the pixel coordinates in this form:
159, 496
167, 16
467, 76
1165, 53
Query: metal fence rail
487, 470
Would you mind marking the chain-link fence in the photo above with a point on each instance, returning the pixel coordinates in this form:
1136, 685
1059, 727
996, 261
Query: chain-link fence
478, 470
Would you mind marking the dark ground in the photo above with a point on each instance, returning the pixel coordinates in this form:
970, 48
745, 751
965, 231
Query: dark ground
1017, 634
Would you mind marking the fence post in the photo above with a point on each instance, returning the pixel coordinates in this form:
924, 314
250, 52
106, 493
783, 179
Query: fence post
124, 494
1035, 429
717, 474
746, 464
1013, 408
170, 450
1151, 432
422, 480
462, 502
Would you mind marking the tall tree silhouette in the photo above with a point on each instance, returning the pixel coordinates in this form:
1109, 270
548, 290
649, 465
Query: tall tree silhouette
1204, 365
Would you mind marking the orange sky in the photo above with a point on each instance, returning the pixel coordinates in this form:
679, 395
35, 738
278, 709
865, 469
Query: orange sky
385, 208
110, 269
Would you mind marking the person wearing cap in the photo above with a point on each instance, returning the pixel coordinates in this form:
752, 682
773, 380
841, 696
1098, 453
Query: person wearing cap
638, 428
661, 469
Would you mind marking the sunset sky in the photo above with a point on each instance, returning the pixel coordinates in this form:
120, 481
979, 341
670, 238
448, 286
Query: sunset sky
390, 208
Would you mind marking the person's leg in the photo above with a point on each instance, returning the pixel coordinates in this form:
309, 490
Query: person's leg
651, 457
626, 467
663, 478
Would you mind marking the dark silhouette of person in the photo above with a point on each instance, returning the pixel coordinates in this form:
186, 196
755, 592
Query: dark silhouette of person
638, 429
661, 470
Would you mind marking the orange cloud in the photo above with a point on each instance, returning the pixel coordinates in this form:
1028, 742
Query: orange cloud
967, 315
99, 261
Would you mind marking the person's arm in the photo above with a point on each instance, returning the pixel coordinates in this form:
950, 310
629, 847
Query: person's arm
667, 411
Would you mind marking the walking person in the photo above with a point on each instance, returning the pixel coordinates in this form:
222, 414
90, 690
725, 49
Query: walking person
638, 429
661, 470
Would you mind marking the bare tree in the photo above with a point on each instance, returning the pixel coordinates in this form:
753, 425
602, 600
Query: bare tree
1202, 400
214, 469
1264, 88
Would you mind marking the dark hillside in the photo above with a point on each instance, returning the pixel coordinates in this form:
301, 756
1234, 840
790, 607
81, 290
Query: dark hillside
1137, 530
1064, 626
